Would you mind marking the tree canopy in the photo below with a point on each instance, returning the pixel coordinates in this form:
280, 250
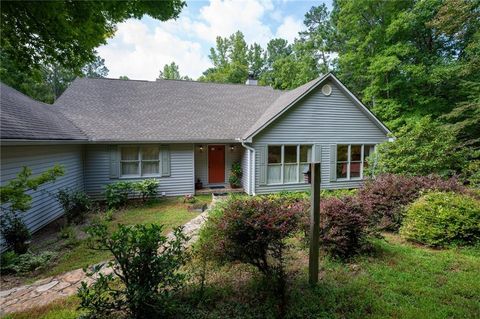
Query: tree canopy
171, 72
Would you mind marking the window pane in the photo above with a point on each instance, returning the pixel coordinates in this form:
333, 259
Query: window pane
274, 174
342, 170
130, 168
305, 153
356, 152
274, 154
129, 153
290, 154
150, 168
150, 153
290, 175
355, 169
342, 153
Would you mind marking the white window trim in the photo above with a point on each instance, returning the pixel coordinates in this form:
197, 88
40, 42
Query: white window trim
282, 164
349, 161
139, 161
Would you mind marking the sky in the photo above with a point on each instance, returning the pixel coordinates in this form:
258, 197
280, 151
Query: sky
140, 48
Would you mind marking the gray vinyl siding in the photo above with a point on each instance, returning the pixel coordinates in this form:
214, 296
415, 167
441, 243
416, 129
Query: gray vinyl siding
319, 119
180, 181
201, 161
45, 207
246, 171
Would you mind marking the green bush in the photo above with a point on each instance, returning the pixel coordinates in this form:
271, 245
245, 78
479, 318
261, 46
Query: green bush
423, 147
148, 189
147, 266
440, 219
116, 194
236, 173
75, 203
24, 263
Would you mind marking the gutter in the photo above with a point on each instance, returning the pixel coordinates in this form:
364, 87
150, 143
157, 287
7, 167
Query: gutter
252, 185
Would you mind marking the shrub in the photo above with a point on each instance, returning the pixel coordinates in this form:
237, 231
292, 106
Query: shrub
147, 266
253, 230
421, 148
147, 188
24, 263
15, 232
236, 173
76, 204
344, 227
443, 218
385, 197
14, 200
116, 194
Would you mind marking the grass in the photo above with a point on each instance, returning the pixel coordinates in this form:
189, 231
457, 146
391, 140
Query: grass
397, 280
170, 212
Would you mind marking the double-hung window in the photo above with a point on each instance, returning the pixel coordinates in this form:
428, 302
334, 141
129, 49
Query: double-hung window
136, 161
351, 160
287, 162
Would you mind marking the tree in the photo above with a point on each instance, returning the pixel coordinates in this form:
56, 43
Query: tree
123, 77
422, 147
15, 199
95, 69
230, 60
318, 38
405, 58
67, 32
171, 72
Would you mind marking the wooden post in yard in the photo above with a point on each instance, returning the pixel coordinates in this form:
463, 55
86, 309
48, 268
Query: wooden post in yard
314, 224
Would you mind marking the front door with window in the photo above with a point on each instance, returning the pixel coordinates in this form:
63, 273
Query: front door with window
216, 164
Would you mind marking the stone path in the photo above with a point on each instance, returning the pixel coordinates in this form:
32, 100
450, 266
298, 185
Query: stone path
46, 290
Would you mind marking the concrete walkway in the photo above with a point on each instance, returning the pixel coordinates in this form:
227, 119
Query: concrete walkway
46, 290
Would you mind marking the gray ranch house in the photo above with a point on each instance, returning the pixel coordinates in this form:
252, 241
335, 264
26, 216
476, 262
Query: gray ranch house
185, 133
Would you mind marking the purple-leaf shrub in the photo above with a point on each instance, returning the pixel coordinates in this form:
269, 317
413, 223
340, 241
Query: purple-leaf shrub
385, 197
253, 230
344, 226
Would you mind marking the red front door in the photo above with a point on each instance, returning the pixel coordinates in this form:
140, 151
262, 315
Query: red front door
216, 164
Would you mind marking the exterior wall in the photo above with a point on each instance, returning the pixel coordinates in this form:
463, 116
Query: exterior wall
201, 162
180, 181
246, 164
45, 207
318, 119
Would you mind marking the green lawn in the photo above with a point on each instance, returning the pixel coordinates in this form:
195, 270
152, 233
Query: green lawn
170, 212
397, 280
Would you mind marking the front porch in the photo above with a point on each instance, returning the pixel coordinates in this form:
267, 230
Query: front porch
213, 165
218, 190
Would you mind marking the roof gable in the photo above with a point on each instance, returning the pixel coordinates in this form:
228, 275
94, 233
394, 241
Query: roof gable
291, 98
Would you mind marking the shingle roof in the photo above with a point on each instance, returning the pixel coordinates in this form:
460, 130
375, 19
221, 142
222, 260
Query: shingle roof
164, 110
24, 118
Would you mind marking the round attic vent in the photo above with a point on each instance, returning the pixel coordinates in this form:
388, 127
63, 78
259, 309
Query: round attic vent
327, 89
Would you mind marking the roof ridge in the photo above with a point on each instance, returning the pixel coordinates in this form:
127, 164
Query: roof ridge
185, 81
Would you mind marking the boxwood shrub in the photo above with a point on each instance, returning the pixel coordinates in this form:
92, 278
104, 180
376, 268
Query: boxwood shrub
443, 218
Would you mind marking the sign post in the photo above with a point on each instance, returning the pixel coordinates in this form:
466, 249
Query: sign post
314, 225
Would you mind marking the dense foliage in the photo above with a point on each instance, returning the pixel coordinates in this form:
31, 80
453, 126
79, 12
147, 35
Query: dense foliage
171, 72
15, 199
385, 197
117, 194
344, 227
75, 203
421, 148
235, 178
443, 218
12, 263
146, 264
253, 230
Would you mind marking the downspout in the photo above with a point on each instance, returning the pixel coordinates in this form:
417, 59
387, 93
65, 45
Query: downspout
252, 185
